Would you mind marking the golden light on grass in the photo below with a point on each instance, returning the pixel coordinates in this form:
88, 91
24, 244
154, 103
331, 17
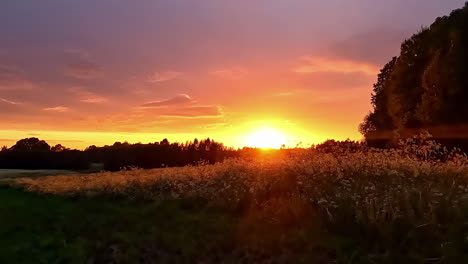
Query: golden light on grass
266, 138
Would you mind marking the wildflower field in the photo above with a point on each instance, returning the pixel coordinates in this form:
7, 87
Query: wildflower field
336, 203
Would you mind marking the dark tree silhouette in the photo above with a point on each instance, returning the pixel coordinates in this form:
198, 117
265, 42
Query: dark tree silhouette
32, 153
31, 145
58, 148
425, 88
378, 124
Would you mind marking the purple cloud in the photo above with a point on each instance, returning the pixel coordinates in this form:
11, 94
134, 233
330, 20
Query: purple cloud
194, 111
163, 76
177, 100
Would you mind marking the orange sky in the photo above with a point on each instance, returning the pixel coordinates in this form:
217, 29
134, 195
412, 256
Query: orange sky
86, 72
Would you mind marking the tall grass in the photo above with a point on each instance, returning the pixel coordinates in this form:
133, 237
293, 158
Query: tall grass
415, 181
384, 206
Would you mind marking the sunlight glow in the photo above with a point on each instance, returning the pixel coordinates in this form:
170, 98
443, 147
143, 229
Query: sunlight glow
266, 138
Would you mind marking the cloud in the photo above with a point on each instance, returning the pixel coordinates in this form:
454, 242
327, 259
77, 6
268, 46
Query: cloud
80, 66
282, 94
317, 64
59, 109
218, 125
164, 76
86, 96
9, 101
13, 78
230, 73
10, 108
177, 100
58, 141
194, 111
181, 105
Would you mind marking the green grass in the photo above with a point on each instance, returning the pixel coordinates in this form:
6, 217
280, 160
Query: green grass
46, 229
40, 228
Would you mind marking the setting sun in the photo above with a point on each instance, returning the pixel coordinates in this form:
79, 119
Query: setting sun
234, 131
266, 138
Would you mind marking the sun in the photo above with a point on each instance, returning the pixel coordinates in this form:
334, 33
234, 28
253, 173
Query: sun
266, 138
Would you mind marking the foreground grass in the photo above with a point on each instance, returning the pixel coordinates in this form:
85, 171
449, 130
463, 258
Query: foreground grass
38, 228
349, 204
46, 229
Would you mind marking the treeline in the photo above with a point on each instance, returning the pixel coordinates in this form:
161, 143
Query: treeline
33, 153
425, 88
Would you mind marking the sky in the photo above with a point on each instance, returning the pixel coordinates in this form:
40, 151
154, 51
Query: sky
93, 72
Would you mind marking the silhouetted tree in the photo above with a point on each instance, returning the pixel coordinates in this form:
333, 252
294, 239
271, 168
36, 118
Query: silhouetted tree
425, 88
58, 148
378, 125
31, 145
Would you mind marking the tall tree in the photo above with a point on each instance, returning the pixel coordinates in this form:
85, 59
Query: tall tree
425, 87
31, 145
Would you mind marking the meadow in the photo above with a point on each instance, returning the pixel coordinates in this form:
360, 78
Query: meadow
341, 202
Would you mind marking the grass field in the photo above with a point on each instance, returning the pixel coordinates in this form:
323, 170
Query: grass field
47, 229
408, 205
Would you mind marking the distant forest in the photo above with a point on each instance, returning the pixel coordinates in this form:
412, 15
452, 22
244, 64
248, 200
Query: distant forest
33, 153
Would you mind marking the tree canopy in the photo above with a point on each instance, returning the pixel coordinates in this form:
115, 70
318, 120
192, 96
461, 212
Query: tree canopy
425, 88
31, 145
